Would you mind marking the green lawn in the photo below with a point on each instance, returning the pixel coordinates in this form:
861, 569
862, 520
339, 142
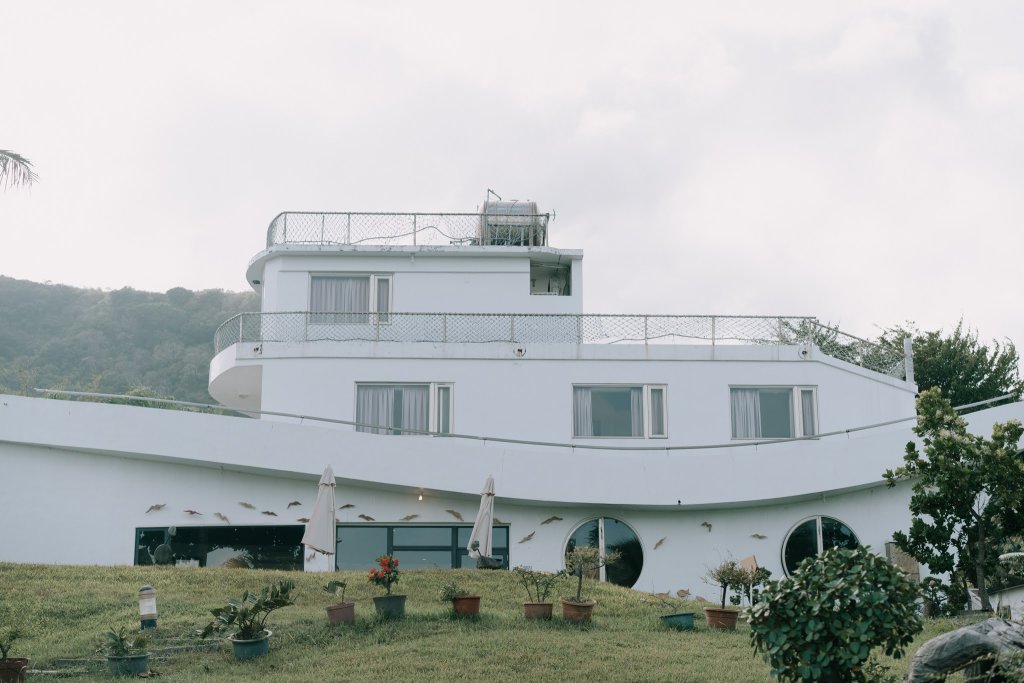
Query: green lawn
65, 610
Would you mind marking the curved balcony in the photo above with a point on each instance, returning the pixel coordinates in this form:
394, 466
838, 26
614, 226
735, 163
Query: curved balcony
462, 328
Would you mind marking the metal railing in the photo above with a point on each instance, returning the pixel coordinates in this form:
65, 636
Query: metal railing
480, 328
327, 228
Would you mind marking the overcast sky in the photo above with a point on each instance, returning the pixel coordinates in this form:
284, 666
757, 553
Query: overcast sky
862, 162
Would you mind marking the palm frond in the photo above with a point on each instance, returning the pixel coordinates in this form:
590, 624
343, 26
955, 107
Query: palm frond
15, 170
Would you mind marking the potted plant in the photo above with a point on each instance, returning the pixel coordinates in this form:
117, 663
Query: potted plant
342, 612
126, 653
386, 574
726, 575
12, 669
247, 616
675, 618
580, 561
538, 587
463, 604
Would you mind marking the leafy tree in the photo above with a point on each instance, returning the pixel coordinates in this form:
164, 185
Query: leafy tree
822, 623
966, 370
964, 488
15, 170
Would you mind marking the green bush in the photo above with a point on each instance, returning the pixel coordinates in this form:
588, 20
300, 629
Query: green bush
822, 623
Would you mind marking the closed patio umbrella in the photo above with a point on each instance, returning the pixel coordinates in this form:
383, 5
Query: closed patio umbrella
320, 534
482, 525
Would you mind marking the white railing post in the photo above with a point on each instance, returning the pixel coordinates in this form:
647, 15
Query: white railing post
414, 230
348, 228
645, 330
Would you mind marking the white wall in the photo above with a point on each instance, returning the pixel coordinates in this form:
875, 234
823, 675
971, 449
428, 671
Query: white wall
426, 280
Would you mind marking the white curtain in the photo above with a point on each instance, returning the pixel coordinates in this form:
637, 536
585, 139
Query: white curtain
746, 413
636, 407
582, 415
657, 411
348, 298
807, 412
415, 408
375, 405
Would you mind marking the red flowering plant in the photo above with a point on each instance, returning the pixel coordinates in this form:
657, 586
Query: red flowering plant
385, 573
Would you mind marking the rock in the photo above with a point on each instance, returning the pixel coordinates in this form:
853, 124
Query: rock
953, 651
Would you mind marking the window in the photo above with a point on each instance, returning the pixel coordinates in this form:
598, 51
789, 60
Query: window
349, 298
392, 408
812, 536
773, 412
359, 545
619, 411
260, 547
610, 535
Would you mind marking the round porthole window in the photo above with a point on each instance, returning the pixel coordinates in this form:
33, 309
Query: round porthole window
609, 535
811, 536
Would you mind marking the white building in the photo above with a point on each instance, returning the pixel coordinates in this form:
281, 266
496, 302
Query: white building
419, 353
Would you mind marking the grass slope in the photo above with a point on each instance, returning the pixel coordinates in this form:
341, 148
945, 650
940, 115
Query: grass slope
64, 611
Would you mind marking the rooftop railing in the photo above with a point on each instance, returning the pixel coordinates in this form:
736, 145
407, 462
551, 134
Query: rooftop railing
481, 328
324, 228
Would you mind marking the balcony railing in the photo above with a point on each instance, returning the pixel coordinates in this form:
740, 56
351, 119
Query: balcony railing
294, 227
481, 328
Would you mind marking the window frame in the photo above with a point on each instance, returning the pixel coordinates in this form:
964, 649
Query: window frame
796, 421
648, 415
458, 550
373, 314
818, 526
434, 390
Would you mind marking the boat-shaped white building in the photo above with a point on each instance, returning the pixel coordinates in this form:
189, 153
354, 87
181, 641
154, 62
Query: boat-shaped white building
417, 354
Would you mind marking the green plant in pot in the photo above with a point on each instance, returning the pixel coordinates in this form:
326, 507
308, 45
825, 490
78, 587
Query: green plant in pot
126, 652
12, 669
580, 562
246, 619
341, 612
728, 574
538, 587
463, 604
386, 574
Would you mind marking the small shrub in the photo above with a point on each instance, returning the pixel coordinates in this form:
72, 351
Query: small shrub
451, 590
822, 623
121, 643
248, 614
538, 584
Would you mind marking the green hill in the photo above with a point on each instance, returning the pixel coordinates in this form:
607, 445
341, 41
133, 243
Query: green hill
111, 341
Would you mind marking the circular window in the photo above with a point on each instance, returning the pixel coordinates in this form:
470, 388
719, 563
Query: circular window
811, 536
610, 535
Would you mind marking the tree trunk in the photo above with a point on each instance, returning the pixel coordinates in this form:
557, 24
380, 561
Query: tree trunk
979, 568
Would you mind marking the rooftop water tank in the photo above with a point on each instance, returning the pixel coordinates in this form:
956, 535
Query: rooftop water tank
513, 224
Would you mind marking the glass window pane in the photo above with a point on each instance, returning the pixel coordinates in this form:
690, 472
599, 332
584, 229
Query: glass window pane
444, 410
611, 411
424, 559
383, 298
807, 412
619, 537
360, 546
801, 544
346, 298
776, 414
657, 411
257, 547
420, 535
835, 534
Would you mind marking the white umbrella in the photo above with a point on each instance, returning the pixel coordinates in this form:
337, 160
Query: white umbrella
482, 525
320, 534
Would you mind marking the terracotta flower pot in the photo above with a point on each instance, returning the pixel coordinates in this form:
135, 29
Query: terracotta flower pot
721, 618
577, 611
537, 610
466, 605
12, 670
342, 613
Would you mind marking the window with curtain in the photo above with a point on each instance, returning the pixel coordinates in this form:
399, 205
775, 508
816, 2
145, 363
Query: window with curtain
349, 298
619, 411
396, 409
773, 412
